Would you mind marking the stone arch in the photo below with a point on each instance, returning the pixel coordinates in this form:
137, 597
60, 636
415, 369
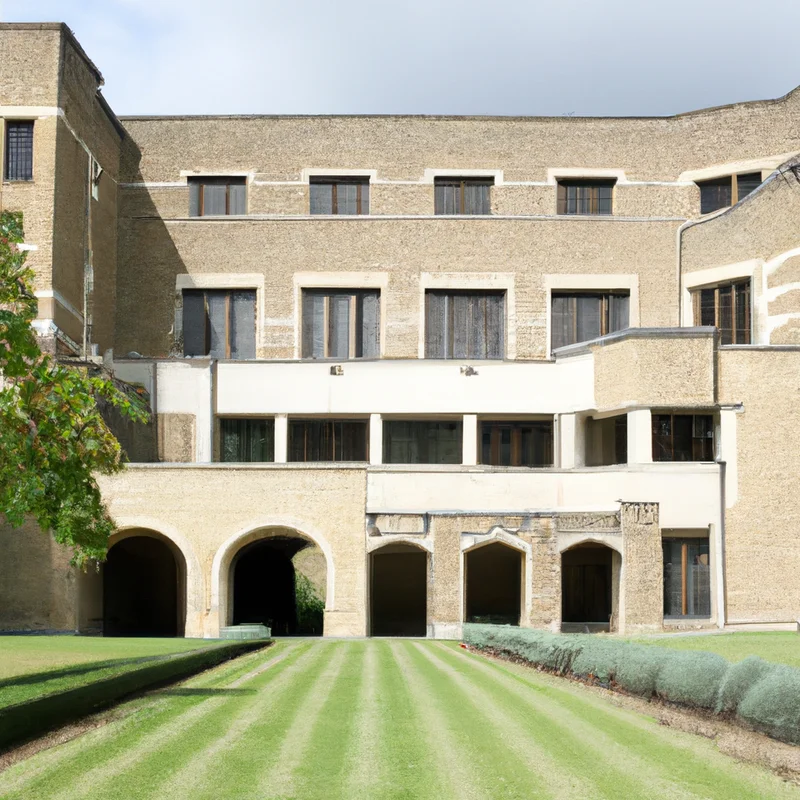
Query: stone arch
591, 577
262, 529
399, 587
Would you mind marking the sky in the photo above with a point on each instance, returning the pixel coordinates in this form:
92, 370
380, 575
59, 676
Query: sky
508, 57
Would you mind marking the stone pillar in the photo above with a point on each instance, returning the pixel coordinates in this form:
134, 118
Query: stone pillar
640, 436
446, 596
641, 606
545, 579
281, 438
375, 439
469, 451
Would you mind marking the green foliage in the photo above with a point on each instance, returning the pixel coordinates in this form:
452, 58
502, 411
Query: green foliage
53, 438
310, 607
765, 696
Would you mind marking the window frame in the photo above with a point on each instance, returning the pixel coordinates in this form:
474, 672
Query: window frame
201, 181
457, 424
495, 426
694, 415
448, 336
334, 181
605, 310
223, 421
9, 123
357, 297
205, 292
461, 182
685, 543
592, 184
737, 286
306, 421
733, 178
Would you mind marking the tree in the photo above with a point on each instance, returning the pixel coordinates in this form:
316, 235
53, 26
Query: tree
53, 438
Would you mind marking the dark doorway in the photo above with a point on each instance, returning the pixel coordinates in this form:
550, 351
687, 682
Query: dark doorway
586, 585
399, 591
268, 590
493, 584
142, 588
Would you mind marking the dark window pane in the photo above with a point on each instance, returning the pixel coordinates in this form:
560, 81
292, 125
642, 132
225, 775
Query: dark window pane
747, 183
462, 195
313, 325
243, 324
19, 151
687, 578
321, 195
327, 440
621, 439
464, 324
708, 307
421, 442
217, 306
517, 444
215, 200
742, 313
246, 440
588, 308
662, 437
368, 311
217, 195
237, 199
353, 324
339, 326
347, 196
725, 322
194, 324
682, 437
436, 327
585, 196
618, 312
714, 194
561, 320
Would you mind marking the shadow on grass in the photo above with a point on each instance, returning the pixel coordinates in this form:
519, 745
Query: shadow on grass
206, 692
78, 669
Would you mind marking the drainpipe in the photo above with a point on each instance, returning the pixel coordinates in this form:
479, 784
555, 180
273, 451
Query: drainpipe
88, 271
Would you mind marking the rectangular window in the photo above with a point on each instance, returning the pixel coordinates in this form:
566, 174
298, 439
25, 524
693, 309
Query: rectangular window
517, 444
219, 323
464, 324
341, 324
421, 442
584, 196
19, 151
327, 440
463, 195
726, 191
216, 197
687, 578
683, 437
726, 307
246, 440
339, 195
579, 317
607, 441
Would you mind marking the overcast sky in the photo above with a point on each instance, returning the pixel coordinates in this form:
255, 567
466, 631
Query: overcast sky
550, 57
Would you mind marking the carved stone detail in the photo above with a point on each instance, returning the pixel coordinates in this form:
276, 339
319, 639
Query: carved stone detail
588, 522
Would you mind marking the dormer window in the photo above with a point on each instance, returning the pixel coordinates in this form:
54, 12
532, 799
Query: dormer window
217, 196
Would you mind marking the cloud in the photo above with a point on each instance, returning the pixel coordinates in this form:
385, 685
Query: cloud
618, 57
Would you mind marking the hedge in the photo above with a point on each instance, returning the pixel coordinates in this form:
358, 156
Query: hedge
764, 696
35, 717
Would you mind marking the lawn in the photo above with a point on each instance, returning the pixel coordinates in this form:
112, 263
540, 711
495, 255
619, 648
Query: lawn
381, 719
34, 665
782, 647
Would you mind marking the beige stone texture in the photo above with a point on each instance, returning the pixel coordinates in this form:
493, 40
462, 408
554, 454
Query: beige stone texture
31, 53
681, 202
268, 199
444, 604
786, 303
657, 372
642, 594
763, 520
788, 333
401, 199
201, 509
524, 200
545, 578
787, 272
176, 437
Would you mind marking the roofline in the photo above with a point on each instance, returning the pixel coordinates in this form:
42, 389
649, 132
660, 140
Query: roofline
452, 117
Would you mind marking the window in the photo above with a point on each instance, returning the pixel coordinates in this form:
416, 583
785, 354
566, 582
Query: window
19, 152
584, 196
217, 196
463, 195
579, 317
687, 578
421, 442
339, 323
683, 437
726, 307
245, 440
464, 324
517, 444
339, 195
607, 441
219, 323
327, 440
723, 192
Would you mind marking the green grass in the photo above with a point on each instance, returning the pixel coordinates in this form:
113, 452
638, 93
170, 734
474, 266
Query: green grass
31, 666
782, 647
381, 719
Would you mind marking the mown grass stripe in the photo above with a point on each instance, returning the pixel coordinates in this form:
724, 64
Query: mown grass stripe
473, 765
199, 755
701, 768
117, 746
544, 750
575, 747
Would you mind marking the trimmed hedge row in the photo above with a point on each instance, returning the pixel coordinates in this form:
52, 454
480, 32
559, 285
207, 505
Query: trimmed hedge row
24, 721
763, 695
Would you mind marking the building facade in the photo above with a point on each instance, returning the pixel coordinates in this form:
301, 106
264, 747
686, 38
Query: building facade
538, 371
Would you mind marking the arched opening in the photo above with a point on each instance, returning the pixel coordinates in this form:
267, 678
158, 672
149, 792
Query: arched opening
589, 581
280, 581
399, 591
144, 579
493, 584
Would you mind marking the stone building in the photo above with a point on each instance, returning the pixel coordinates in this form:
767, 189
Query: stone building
540, 371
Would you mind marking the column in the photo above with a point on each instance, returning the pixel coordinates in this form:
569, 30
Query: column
281, 438
469, 446
640, 436
375, 439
